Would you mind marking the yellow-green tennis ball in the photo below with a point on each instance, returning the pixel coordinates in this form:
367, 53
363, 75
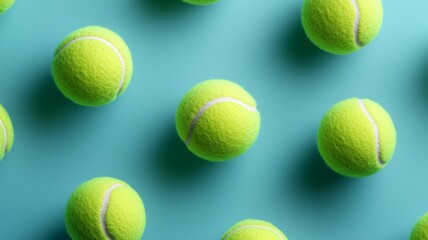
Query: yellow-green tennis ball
218, 120
200, 2
105, 208
342, 26
92, 66
420, 230
5, 5
6, 132
356, 137
252, 229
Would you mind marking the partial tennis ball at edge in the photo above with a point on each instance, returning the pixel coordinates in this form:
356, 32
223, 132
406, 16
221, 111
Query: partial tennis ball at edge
356, 137
5, 5
92, 66
342, 26
218, 120
105, 208
6, 132
420, 230
252, 229
200, 2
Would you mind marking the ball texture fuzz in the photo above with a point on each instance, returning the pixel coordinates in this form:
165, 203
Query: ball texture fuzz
6, 132
105, 208
92, 66
420, 230
356, 137
342, 26
252, 229
218, 120
5, 5
200, 2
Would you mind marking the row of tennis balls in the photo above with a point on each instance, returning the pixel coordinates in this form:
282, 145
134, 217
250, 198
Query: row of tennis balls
105, 208
335, 26
218, 119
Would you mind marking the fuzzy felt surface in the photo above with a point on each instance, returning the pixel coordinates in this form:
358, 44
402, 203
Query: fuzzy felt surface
5, 5
252, 229
347, 139
89, 72
226, 130
7, 122
331, 24
200, 2
125, 216
420, 230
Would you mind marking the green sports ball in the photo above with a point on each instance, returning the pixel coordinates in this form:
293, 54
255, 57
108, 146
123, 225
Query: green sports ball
356, 137
218, 120
420, 230
92, 66
252, 229
200, 2
5, 5
105, 208
6, 132
342, 26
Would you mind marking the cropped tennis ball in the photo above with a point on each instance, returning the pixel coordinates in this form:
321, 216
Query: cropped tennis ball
420, 230
252, 229
200, 2
6, 132
356, 137
105, 208
342, 26
218, 120
5, 5
92, 66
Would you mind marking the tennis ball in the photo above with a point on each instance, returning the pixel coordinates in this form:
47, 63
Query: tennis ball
342, 26
200, 2
218, 120
252, 229
6, 132
105, 208
420, 230
92, 66
356, 137
5, 5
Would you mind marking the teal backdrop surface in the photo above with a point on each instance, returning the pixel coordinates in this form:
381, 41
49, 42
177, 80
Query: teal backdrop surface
257, 44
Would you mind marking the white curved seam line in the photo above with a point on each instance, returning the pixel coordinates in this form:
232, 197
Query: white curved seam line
110, 45
104, 209
255, 226
4, 135
357, 23
209, 105
375, 130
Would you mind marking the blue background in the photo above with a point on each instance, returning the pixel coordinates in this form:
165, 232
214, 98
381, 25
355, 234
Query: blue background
261, 46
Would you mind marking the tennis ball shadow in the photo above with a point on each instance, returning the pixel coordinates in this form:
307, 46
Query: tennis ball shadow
176, 162
46, 104
57, 233
423, 86
163, 6
296, 48
314, 176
